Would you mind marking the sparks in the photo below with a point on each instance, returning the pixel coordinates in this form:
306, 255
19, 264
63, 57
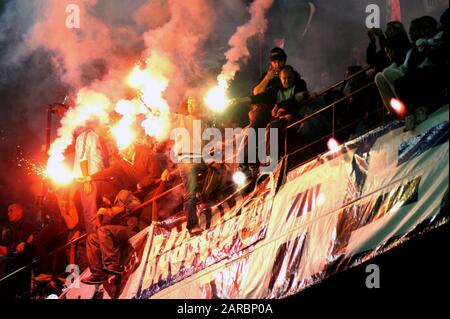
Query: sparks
58, 172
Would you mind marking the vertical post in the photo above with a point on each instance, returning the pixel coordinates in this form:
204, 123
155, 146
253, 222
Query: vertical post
48, 129
332, 122
48, 136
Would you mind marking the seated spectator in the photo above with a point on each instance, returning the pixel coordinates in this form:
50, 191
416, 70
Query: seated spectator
428, 27
283, 101
423, 87
395, 32
51, 236
355, 107
136, 170
270, 81
396, 51
18, 249
414, 30
107, 248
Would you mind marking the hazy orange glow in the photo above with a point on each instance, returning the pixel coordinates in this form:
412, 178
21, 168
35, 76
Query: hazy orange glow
216, 98
151, 85
398, 106
58, 172
90, 105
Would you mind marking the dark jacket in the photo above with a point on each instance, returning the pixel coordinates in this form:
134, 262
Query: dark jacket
145, 169
275, 83
20, 232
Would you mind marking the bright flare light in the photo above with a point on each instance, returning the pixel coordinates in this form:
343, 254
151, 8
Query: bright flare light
239, 178
156, 126
333, 145
151, 85
398, 106
216, 98
123, 132
58, 172
138, 78
89, 105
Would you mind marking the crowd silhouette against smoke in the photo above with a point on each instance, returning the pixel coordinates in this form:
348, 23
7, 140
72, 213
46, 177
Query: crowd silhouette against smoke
187, 47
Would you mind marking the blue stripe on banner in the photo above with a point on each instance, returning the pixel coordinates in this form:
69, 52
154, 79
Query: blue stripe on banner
419, 144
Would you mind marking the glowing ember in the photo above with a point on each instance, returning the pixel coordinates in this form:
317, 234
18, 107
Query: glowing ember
333, 145
398, 106
216, 98
239, 178
31, 168
320, 199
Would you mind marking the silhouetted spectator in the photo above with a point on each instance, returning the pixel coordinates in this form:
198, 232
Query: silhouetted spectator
108, 247
19, 252
53, 235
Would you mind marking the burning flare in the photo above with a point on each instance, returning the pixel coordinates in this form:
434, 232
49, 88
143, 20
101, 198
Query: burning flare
58, 172
216, 98
89, 105
150, 85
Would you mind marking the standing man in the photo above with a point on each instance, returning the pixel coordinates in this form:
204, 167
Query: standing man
189, 157
88, 160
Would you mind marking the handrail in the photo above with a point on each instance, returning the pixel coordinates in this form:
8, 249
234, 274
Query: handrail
327, 136
35, 260
354, 75
146, 203
329, 106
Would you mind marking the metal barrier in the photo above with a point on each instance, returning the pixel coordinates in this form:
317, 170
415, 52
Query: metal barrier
286, 155
35, 260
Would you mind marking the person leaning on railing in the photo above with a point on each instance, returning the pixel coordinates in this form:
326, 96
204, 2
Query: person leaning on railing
283, 101
107, 247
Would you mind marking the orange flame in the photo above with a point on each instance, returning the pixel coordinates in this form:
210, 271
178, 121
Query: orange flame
89, 105
151, 85
216, 98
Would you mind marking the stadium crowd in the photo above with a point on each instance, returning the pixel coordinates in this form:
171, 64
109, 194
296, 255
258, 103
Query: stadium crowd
117, 194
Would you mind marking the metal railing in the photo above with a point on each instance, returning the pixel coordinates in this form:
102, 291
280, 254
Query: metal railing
50, 254
331, 106
286, 155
